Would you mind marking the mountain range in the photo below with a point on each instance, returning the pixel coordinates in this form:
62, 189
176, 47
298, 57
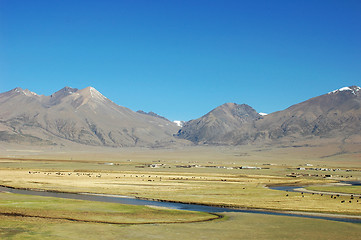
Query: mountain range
82, 116
87, 117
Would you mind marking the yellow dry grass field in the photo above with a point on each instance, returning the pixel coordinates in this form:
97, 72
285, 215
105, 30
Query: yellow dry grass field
212, 189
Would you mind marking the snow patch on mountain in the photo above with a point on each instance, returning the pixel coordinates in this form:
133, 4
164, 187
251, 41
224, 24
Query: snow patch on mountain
29, 93
96, 94
263, 114
179, 123
353, 89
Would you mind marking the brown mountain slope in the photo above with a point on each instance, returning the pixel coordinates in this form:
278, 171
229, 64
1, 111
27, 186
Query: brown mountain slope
333, 115
84, 116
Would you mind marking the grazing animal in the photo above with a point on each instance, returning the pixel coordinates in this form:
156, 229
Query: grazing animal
342, 201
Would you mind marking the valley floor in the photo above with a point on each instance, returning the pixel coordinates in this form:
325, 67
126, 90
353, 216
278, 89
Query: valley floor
220, 177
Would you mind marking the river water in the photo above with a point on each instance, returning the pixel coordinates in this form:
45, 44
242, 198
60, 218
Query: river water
172, 205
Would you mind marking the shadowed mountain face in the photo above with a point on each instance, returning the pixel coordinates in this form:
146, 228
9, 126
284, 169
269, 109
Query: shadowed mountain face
335, 115
216, 126
152, 114
84, 116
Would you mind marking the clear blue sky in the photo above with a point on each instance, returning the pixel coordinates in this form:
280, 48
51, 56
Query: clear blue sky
182, 58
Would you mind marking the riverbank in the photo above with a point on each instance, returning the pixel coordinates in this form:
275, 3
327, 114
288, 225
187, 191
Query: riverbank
73, 209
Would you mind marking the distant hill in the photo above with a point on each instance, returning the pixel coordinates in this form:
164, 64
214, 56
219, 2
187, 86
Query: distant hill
335, 115
83, 116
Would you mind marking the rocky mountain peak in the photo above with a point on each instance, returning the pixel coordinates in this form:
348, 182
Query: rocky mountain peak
235, 110
227, 106
64, 92
56, 97
25, 92
91, 94
17, 89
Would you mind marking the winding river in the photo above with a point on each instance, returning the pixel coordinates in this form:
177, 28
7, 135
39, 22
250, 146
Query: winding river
302, 189
175, 205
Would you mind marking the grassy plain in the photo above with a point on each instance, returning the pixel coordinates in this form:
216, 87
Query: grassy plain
195, 175
233, 226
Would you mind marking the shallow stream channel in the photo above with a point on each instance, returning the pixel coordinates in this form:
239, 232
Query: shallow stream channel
179, 206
